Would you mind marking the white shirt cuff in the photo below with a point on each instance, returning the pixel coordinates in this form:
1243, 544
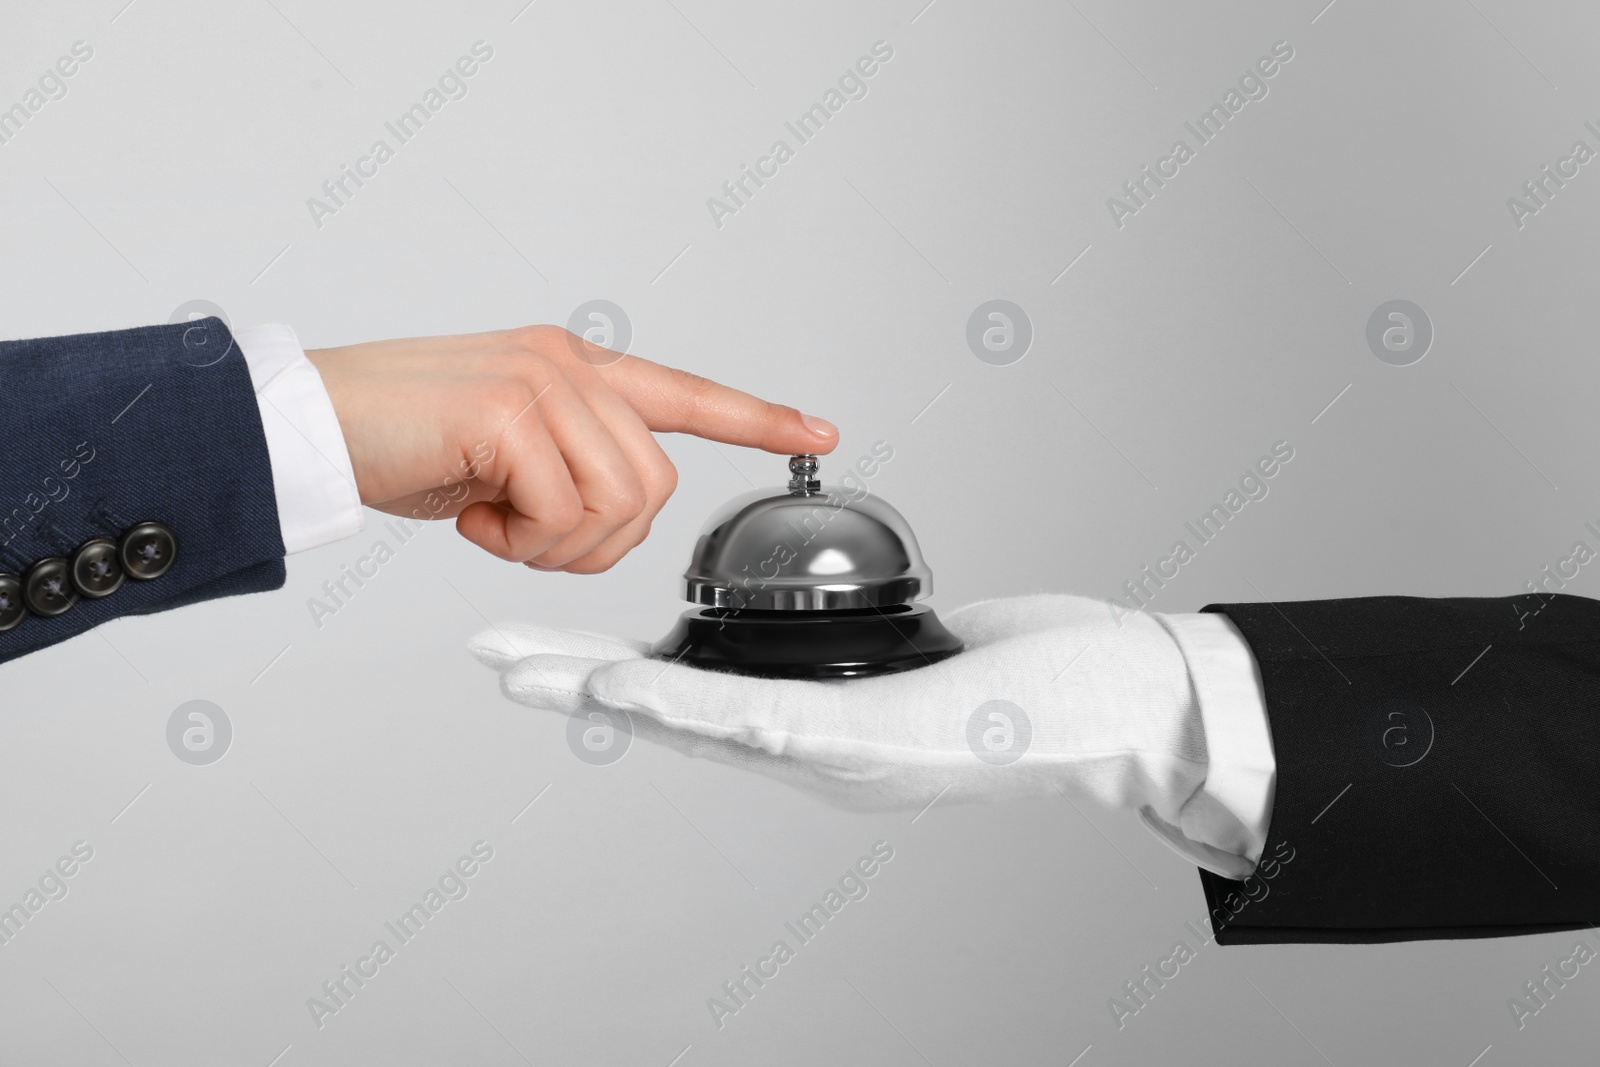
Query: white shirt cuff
1223, 827
311, 474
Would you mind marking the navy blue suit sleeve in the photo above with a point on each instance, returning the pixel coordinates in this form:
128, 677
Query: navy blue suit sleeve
106, 431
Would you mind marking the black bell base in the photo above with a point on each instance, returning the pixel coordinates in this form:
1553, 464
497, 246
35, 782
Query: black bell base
858, 643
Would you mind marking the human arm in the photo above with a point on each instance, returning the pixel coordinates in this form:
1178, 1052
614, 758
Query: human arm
1053, 696
1435, 769
244, 448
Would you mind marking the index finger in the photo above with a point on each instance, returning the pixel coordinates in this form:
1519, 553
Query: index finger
674, 401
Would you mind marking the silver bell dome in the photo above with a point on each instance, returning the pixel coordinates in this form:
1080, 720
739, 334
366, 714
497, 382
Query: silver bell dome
806, 548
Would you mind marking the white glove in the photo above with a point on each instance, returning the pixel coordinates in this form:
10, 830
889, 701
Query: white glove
1050, 696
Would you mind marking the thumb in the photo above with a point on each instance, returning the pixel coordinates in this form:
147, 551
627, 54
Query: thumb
505, 643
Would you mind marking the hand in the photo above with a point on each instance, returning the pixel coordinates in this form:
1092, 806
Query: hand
1095, 710
536, 442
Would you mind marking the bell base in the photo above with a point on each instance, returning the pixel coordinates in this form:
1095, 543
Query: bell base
860, 643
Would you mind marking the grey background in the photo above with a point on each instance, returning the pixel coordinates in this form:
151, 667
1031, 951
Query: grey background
1225, 316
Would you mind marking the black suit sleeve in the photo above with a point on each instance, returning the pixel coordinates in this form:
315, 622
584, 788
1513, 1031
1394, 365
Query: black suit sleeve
1438, 770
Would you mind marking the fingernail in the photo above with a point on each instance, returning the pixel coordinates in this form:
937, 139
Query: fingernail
820, 427
534, 566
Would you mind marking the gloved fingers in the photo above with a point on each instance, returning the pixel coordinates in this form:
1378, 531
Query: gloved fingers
719, 750
845, 788
912, 715
845, 729
680, 724
556, 682
505, 643
716, 704
604, 646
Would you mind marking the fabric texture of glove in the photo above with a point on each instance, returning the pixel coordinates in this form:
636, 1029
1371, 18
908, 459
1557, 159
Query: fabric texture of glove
1051, 696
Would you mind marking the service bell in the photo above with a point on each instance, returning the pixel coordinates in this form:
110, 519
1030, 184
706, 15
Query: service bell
807, 581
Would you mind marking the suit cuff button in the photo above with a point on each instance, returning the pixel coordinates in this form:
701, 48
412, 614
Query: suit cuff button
12, 608
147, 550
47, 587
96, 570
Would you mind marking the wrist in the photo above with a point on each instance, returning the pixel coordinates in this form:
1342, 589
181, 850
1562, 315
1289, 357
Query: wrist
313, 481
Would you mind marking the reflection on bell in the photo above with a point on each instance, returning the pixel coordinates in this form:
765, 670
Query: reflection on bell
804, 582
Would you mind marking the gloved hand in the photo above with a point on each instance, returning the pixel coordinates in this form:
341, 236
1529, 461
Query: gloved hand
1051, 695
